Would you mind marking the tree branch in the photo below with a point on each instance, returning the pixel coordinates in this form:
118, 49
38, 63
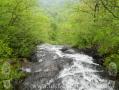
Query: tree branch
13, 19
108, 9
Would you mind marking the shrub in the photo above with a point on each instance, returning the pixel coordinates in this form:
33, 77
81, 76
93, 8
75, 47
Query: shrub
112, 58
5, 50
9, 70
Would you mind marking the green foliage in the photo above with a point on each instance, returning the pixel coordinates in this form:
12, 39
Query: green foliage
21, 42
5, 51
112, 58
23, 25
8, 72
97, 23
90, 24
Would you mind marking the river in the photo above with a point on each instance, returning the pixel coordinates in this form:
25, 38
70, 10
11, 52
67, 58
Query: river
71, 70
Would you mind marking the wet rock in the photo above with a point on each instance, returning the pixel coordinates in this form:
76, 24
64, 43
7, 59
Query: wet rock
93, 52
116, 85
33, 56
44, 55
45, 66
41, 74
62, 62
65, 48
69, 51
44, 71
56, 85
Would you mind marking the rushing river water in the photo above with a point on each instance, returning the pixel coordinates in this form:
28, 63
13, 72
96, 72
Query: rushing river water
82, 74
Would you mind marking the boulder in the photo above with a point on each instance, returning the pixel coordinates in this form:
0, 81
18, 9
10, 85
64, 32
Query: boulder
69, 51
65, 48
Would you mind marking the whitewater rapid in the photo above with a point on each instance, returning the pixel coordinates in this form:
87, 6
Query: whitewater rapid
82, 74
56, 67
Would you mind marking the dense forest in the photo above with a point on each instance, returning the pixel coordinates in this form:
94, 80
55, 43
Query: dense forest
24, 24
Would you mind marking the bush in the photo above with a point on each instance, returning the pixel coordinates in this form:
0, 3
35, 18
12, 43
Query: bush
9, 70
22, 42
112, 58
5, 50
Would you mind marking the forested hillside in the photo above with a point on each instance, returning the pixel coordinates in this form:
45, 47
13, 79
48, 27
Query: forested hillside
81, 24
23, 25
